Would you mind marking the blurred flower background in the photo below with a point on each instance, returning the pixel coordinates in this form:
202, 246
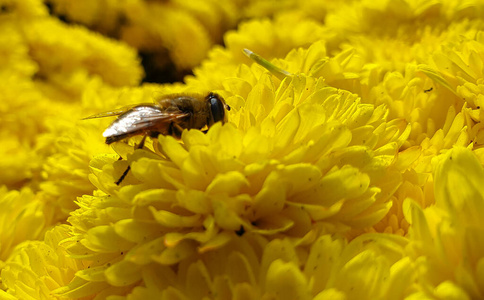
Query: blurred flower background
350, 167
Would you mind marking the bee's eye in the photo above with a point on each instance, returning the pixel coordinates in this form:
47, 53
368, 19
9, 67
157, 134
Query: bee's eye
216, 108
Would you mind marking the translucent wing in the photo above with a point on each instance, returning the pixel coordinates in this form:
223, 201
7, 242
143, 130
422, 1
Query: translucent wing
142, 119
115, 112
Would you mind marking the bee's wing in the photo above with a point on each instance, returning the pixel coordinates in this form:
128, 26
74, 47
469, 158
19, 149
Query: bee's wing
115, 112
142, 118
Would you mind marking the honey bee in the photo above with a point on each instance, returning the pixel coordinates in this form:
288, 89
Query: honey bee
168, 115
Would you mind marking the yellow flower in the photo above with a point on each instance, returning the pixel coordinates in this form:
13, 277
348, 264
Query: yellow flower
441, 111
78, 50
269, 38
102, 16
398, 19
297, 160
23, 110
447, 239
65, 172
183, 35
341, 173
182, 30
456, 68
37, 267
430, 110
69, 144
14, 57
16, 11
370, 267
23, 217
36, 89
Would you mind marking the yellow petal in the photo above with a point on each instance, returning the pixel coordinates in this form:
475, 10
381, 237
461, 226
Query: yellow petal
136, 231
218, 241
256, 146
198, 281
272, 224
345, 183
195, 201
225, 217
173, 149
245, 291
285, 281
362, 275
104, 239
449, 290
191, 138
159, 198
238, 86
228, 141
414, 215
332, 293
230, 183
79, 288
142, 254
323, 256
176, 254
319, 212
269, 200
458, 186
172, 220
123, 273
239, 269
93, 273
277, 250
402, 275
156, 173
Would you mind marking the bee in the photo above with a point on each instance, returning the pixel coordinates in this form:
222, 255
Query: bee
168, 115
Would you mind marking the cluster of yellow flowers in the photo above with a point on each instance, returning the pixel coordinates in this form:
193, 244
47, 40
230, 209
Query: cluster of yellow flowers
350, 167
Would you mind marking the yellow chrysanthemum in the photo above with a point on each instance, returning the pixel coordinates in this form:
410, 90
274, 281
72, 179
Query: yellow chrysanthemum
161, 29
103, 16
289, 143
17, 11
36, 268
31, 37
436, 112
171, 28
23, 109
349, 167
268, 38
65, 172
35, 118
447, 239
250, 267
79, 50
386, 18
14, 56
70, 143
456, 68
23, 217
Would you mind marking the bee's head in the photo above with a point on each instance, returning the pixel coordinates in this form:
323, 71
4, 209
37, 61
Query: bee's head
217, 108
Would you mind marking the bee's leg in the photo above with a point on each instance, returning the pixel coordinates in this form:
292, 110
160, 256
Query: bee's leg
142, 143
175, 130
123, 175
178, 130
139, 146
